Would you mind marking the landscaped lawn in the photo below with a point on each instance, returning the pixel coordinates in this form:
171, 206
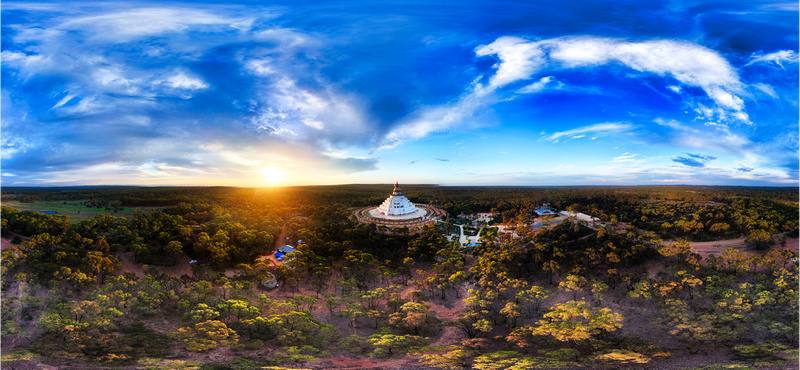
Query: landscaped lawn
73, 208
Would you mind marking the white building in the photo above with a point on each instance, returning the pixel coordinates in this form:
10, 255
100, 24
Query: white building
396, 204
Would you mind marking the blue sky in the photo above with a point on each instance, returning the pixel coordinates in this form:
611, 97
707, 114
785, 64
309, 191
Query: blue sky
453, 93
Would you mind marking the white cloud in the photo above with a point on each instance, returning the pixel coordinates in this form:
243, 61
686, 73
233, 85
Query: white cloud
135, 23
115, 79
261, 67
63, 101
439, 118
181, 80
287, 110
766, 89
669, 123
581, 51
284, 37
28, 65
717, 138
538, 85
12, 145
599, 129
778, 57
690, 64
625, 157
519, 59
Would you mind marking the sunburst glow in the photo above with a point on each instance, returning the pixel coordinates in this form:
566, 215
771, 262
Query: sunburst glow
272, 176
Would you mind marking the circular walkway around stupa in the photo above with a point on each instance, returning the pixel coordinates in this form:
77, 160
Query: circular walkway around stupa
423, 215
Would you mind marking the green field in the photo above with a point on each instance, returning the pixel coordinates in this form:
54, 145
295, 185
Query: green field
73, 209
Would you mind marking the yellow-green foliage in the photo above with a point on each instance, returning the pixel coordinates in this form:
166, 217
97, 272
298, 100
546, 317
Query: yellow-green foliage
576, 321
206, 335
23, 355
454, 357
170, 365
511, 360
624, 356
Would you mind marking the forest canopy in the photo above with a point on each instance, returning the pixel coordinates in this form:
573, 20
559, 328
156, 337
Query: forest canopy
628, 287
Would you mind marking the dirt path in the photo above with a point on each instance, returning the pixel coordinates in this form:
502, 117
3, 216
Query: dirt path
281, 241
719, 246
6, 244
739, 243
353, 364
182, 266
9, 236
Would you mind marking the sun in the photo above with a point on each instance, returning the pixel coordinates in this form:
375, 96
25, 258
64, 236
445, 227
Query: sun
272, 176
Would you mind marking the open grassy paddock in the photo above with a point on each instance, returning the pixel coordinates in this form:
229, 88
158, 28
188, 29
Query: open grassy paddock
73, 208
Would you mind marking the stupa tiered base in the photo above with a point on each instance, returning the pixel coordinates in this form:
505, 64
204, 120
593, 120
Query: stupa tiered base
397, 212
423, 215
418, 212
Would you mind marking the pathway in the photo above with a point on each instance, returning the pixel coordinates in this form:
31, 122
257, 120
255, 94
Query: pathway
463, 239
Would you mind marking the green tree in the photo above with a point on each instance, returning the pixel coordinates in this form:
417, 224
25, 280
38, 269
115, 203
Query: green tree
200, 313
576, 321
532, 299
760, 238
574, 284
411, 317
387, 344
235, 310
206, 335
512, 311
454, 357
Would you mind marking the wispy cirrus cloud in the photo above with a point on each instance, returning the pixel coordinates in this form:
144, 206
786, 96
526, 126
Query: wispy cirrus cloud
600, 129
778, 58
713, 138
625, 157
126, 25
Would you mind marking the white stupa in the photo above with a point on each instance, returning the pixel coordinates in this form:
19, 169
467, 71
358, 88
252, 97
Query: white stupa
398, 208
396, 204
